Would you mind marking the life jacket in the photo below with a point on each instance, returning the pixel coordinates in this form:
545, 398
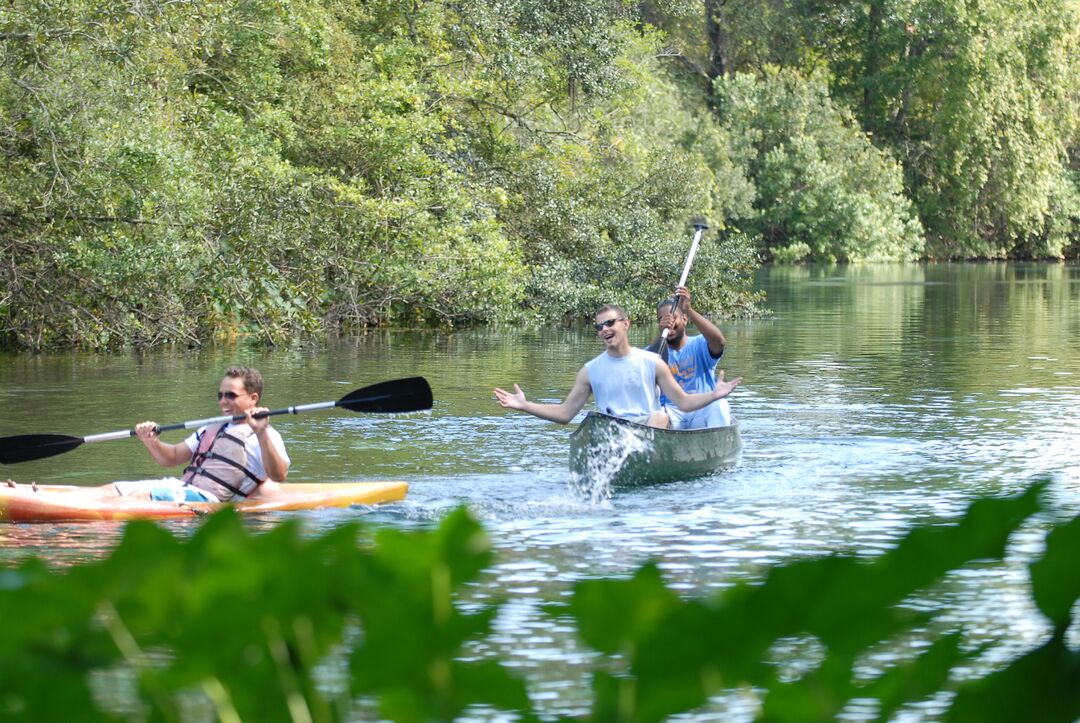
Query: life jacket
219, 463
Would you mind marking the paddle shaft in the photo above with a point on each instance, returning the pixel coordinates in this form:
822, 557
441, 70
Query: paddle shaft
196, 423
391, 397
699, 230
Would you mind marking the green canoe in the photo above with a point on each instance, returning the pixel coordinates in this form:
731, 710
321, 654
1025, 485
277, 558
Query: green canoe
626, 454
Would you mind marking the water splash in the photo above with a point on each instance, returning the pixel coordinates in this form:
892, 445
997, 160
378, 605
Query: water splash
609, 448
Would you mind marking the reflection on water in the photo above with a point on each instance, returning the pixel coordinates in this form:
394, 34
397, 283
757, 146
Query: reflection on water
59, 543
875, 398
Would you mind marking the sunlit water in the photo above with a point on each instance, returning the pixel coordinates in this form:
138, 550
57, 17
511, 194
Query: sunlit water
874, 399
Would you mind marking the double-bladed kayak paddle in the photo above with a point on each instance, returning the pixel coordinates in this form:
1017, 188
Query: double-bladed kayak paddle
396, 396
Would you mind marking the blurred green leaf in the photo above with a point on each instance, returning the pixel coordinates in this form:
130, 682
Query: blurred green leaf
689, 651
49, 643
643, 598
1043, 685
1055, 577
414, 630
920, 678
243, 626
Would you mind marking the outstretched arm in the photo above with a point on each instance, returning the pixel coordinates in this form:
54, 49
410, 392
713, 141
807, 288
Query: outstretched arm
709, 330
690, 402
561, 413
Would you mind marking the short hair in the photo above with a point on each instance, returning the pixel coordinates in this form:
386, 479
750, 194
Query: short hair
619, 311
253, 382
669, 301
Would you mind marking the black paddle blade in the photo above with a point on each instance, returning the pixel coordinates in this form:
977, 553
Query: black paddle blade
399, 395
25, 447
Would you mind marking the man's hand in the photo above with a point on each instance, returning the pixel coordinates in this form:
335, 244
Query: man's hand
146, 430
723, 388
684, 306
167, 455
257, 424
515, 400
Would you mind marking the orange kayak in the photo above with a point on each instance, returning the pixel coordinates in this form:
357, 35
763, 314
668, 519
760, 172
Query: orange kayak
64, 503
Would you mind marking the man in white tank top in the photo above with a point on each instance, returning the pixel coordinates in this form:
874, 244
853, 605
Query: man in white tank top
623, 380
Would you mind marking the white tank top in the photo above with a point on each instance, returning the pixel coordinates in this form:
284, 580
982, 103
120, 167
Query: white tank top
625, 386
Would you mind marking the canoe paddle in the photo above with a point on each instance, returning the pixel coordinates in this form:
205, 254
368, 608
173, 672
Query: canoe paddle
399, 395
661, 347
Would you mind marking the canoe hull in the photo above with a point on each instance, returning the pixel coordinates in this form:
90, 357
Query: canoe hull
56, 503
629, 454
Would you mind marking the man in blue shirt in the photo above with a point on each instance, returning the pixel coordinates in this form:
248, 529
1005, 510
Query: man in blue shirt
692, 360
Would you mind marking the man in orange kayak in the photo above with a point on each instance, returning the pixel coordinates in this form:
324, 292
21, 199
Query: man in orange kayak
623, 379
227, 461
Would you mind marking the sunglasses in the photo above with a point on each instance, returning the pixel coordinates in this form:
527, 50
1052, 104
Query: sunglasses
231, 396
601, 325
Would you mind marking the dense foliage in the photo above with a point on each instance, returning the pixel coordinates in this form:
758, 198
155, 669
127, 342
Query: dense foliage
824, 193
977, 99
277, 626
280, 168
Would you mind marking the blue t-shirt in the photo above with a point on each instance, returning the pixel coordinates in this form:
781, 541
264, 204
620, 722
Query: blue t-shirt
693, 366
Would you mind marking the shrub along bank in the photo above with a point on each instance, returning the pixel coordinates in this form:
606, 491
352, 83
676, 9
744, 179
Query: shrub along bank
284, 169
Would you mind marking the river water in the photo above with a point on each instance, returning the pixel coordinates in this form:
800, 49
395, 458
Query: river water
874, 399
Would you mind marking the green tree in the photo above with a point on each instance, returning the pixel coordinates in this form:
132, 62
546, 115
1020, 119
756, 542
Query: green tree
278, 168
980, 99
824, 192
605, 157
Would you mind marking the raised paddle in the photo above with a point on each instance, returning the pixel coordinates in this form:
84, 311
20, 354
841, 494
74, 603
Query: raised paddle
399, 395
661, 347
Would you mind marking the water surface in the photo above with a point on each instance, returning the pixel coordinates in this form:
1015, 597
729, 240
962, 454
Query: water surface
875, 398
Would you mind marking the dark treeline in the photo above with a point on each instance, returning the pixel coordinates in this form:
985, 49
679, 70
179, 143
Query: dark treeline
176, 171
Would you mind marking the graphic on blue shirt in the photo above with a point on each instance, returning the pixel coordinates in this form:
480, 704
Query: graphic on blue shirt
692, 366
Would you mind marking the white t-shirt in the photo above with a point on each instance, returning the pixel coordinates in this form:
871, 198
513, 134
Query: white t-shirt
252, 450
625, 386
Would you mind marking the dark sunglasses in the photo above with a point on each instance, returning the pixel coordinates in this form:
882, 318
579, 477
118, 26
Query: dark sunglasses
231, 396
601, 325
